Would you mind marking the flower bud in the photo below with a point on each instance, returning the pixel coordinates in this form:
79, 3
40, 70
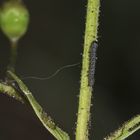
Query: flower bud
14, 20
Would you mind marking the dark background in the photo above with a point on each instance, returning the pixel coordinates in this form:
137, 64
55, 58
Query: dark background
55, 39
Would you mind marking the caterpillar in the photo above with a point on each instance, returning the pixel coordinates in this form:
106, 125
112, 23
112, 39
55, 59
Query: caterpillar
92, 63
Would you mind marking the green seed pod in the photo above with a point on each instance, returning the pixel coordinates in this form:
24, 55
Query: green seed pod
14, 20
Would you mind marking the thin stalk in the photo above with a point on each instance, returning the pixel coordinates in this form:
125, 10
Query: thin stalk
85, 87
13, 56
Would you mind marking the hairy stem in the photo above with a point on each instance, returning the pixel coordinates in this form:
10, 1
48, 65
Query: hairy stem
126, 130
46, 120
85, 88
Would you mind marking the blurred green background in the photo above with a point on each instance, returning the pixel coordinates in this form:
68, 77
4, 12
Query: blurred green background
55, 39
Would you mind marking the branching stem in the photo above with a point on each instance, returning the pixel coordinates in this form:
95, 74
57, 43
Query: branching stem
46, 120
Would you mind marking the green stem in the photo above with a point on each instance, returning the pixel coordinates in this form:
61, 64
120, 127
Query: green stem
86, 89
13, 56
46, 120
126, 130
10, 91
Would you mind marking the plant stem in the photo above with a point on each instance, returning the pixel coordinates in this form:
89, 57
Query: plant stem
20, 92
85, 88
126, 130
13, 56
45, 119
10, 91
